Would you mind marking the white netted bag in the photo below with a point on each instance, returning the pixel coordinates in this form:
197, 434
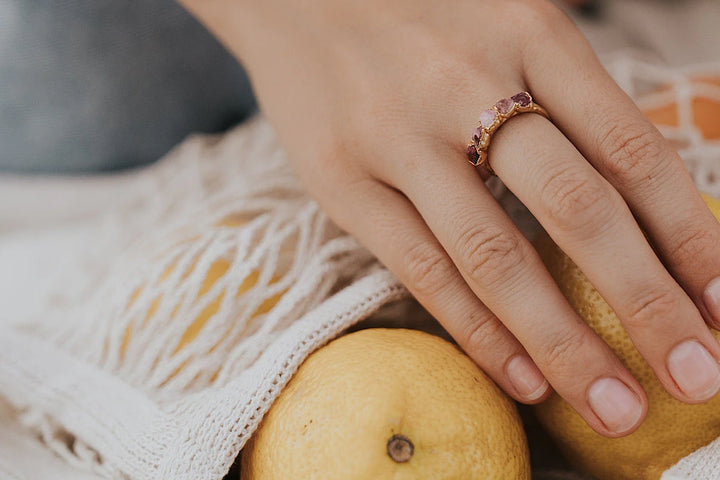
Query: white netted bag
189, 310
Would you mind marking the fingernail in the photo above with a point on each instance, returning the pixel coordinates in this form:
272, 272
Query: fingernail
616, 405
526, 378
694, 370
712, 299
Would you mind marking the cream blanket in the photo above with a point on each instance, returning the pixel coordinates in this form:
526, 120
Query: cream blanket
90, 389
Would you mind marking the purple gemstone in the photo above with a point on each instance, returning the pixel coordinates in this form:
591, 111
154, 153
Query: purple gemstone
487, 118
472, 154
523, 99
505, 106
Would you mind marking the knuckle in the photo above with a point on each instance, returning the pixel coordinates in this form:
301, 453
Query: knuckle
693, 244
326, 160
482, 330
333, 170
488, 251
543, 25
633, 152
329, 156
426, 269
573, 198
536, 16
649, 305
564, 352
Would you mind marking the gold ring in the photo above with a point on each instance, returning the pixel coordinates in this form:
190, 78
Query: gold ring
492, 119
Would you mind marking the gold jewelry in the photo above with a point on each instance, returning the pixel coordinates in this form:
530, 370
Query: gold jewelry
492, 119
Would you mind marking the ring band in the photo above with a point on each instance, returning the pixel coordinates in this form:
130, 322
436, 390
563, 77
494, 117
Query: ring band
492, 119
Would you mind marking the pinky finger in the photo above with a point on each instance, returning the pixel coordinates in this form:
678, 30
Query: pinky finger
388, 224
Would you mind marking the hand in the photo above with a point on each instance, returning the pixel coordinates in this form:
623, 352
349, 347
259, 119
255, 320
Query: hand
375, 101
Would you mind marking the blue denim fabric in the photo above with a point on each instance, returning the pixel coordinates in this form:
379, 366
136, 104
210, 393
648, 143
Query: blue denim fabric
93, 85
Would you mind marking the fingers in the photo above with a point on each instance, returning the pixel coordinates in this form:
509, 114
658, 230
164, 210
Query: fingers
592, 224
385, 222
504, 271
606, 126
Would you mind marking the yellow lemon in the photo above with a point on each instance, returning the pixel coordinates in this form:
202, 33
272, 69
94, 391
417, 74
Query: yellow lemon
671, 430
389, 404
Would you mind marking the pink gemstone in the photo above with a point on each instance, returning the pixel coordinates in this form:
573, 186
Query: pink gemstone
523, 99
472, 154
505, 106
487, 118
477, 135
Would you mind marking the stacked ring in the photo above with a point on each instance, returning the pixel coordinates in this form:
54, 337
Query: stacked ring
492, 119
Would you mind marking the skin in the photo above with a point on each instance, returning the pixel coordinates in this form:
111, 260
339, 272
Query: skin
375, 101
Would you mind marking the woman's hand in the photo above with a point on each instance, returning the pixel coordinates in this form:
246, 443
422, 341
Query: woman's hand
375, 102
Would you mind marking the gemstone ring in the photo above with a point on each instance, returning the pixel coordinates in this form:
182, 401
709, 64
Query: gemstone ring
492, 119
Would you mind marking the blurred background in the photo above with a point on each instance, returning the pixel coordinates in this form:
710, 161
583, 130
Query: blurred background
95, 86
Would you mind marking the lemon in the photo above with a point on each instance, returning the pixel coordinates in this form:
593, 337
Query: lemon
389, 404
671, 430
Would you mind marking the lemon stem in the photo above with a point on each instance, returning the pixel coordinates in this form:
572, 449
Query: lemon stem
400, 448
